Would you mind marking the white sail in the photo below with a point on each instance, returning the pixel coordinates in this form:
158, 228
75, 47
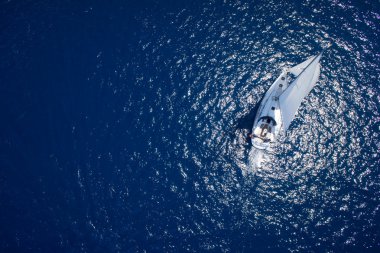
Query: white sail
291, 98
296, 70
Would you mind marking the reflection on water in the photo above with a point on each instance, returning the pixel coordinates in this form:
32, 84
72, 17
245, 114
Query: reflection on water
151, 152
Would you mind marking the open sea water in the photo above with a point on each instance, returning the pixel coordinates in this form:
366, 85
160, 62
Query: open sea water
123, 127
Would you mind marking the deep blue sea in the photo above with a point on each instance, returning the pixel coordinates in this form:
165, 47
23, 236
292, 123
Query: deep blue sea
123, 127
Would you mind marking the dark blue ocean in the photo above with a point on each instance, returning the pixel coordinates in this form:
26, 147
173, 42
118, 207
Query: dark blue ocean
123, 127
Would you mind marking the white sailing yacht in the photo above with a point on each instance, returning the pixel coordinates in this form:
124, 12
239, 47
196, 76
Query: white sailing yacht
282, 100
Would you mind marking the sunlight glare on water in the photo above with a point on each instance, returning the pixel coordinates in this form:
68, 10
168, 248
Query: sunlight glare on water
127, 127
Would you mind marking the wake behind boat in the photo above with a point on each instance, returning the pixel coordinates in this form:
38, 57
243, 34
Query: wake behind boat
282, 101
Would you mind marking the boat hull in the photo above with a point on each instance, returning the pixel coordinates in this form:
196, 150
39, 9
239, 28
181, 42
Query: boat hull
268, 121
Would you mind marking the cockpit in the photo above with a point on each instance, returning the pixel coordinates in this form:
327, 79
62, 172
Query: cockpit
264, 131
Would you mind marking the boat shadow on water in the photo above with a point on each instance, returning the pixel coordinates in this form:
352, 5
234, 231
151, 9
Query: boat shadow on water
245, 123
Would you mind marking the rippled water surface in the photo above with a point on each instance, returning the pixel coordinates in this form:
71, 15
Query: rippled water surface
124, 124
